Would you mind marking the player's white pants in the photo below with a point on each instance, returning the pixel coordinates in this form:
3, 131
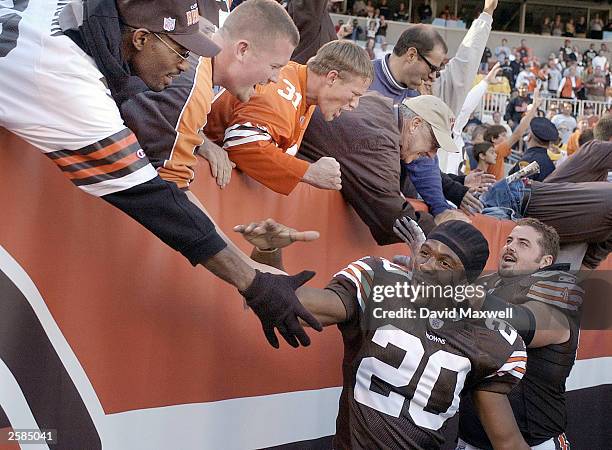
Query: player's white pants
558, 443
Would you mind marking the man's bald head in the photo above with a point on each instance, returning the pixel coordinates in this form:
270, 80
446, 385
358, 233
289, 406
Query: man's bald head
261, 22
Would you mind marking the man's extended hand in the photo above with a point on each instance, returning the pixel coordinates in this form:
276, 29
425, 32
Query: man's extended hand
324, 174
479, 180
272, 297
269, 234
220, 164
490, 6
410, 232
470, 204
491, 77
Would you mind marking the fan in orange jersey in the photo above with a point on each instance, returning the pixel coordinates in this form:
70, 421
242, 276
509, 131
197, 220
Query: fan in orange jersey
263, 135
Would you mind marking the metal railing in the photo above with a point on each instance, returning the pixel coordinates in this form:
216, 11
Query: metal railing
496, 102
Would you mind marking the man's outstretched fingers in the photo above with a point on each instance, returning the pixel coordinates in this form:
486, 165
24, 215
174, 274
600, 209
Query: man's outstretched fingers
296, 330
271, 336
289, 336
304, 236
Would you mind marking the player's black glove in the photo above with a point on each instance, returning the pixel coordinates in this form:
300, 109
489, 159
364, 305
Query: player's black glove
272, 297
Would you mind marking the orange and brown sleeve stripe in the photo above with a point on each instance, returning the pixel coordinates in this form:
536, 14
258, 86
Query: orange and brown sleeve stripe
113, 157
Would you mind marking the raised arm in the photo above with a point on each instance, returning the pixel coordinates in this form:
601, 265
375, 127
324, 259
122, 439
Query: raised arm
523, 125
456, 79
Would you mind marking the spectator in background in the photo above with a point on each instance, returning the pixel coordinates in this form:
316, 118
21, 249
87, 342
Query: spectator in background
425, 12
573, 143
357, 33
570, 85
485, 155
600, 61
445, 14
517, 65
581, 27
596, 85
554, 76
496, 134
359, 8
381, 34
526, 77
372, 25
524, 51
596, 27
588, 56
566, 52
570, 29
542, 133
338, 26
496, 118
553, 110
402, 14
557, 26
517, 107
507, 71
503, 51
484, 61
565, 122
384, 10
546, 28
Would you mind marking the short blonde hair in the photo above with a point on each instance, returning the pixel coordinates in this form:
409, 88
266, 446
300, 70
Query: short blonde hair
343, 56
262, 22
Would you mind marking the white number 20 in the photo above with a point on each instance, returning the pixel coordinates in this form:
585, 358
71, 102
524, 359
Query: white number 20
290, 93
402, 375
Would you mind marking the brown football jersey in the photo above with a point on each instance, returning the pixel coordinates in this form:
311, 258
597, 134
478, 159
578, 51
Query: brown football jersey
538, 402
403, 378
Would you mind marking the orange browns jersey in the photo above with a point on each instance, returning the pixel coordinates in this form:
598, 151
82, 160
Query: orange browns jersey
263, 135
168, 124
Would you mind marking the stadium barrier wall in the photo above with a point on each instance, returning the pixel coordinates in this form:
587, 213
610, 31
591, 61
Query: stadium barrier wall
115, 341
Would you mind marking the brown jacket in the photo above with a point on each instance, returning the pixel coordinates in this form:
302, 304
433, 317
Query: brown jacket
315, 26
366, 144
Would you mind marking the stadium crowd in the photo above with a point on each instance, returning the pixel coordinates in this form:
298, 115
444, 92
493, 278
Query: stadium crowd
373, 130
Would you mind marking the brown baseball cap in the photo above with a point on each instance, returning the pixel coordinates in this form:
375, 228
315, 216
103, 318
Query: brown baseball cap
179, 19
438, 115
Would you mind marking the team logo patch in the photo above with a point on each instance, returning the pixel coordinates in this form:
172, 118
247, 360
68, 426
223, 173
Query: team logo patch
169, 23
140, 153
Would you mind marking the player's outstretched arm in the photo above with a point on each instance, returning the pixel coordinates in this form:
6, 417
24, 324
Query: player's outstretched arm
166, 211
268, 238
498, 421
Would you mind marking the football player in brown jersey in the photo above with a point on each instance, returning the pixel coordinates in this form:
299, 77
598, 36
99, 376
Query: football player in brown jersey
404, 373
546, 304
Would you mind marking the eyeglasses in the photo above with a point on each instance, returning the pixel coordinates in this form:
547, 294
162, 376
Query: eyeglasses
432, 68
183, 56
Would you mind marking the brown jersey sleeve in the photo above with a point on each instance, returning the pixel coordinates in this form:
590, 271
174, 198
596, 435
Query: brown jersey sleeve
353, 285
504, 358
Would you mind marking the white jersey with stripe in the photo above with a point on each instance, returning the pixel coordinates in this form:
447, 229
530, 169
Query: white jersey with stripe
403, 377
53, 96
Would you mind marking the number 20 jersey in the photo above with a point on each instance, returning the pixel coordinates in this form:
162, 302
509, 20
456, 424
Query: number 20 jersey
404, 380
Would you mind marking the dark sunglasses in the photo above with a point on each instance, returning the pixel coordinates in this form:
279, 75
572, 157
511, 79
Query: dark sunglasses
432, 68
